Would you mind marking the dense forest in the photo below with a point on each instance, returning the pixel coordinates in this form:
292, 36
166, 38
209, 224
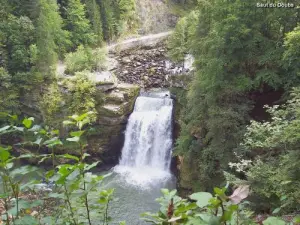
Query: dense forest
35, 34
246, 58
239, 117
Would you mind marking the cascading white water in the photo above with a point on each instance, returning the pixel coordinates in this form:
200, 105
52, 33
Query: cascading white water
146, 153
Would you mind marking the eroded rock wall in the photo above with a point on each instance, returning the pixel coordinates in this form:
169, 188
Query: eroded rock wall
155, 16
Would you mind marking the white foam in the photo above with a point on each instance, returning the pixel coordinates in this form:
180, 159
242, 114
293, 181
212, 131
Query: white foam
146, 154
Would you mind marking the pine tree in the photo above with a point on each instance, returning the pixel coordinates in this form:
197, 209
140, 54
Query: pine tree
78, 25
107, 18
238, 48
49, 32
95, 19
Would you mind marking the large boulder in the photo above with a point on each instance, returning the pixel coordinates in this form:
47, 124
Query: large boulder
107, 141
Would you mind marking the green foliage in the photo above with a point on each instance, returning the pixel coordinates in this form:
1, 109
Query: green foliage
18, 35
8, 93
180, 42
128, 18
219, 209
85, 59
275, 173
291, 54
51, 104
83, 94
238, 49
109, 24
78, 195
49, 35
118, 17
78, 25
93, 10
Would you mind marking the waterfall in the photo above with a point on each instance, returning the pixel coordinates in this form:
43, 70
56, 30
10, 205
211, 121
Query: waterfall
146, 154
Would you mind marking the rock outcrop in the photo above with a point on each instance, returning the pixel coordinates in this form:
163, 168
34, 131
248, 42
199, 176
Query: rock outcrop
149, 66
155, 16
114, 105
107, 140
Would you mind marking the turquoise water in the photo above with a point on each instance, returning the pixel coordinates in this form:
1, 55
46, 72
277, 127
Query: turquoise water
131, 200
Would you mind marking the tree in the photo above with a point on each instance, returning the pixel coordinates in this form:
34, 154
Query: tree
95, 18
180, 42
78, 25
49, 36
107, 18
8, 93
291, 55
128, 14
238, 48
19, 35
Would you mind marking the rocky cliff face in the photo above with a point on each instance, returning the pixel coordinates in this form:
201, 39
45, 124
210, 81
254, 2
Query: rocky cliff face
155, 16
114, 105
148, 66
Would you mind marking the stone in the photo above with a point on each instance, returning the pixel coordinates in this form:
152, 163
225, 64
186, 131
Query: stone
126, 60
112, 121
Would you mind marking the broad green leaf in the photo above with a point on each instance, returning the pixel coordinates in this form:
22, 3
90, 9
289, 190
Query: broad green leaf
219, 191
4, 155
26, 220
74, 117
73, 139
48, 220
74, 175
196, 221
165, 191
49, 174
38, 141
35, 128
23, 170
227, 215
2, 129
53, 142
277, 210
174, 219
214, 221
88, 167
82, 117
14, 117
56, 195
85, 155
68, 156
55, 132
173, 193
26, 156
27, 122
68, 122
273, 221
202, 198
233, 207
76, 133
19, 128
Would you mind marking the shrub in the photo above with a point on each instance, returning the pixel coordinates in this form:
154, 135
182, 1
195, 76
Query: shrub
274, 174
84, 58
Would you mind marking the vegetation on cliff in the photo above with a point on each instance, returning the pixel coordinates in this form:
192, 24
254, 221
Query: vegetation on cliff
241, 54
